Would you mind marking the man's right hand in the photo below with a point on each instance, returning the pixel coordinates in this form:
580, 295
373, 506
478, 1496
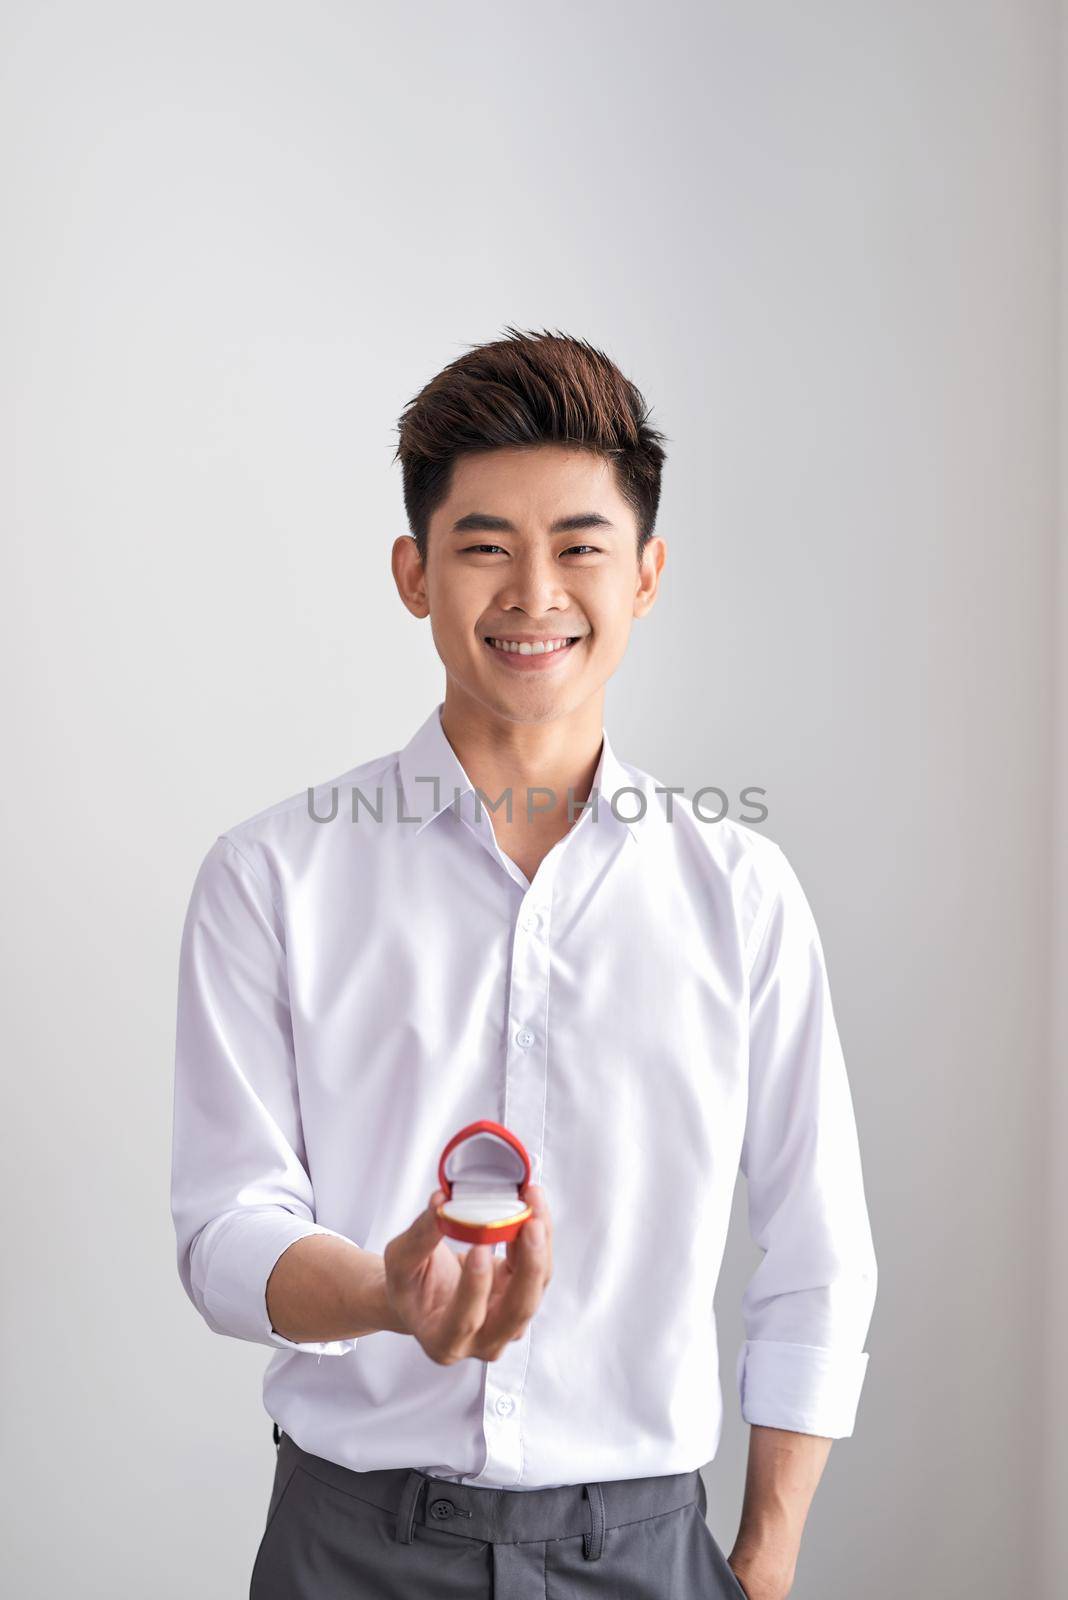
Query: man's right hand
471, 1304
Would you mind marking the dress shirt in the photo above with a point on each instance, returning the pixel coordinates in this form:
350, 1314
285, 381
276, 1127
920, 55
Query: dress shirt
649, 1013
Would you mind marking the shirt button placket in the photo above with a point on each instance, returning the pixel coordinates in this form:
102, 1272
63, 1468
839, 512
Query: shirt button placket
526, 1064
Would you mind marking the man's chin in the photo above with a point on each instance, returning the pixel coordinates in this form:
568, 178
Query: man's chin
537, 702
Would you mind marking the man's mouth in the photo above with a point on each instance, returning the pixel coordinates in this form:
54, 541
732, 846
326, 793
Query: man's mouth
532, 647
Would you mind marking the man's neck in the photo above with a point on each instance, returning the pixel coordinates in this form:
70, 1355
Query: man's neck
499, 754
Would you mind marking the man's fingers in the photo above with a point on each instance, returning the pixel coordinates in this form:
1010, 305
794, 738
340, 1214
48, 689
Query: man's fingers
467, 1311
530, 1271
410, 1249
464, 1329
534, 1195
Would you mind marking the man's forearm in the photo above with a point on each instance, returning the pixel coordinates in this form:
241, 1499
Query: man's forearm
325, 1288
782, 1473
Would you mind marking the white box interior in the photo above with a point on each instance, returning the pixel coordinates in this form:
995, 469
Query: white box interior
485, 1173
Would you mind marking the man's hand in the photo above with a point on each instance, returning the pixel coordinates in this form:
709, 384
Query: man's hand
474, 1305
763, 1578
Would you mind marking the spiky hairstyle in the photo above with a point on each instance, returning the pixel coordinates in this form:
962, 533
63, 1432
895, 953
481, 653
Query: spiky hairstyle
529, 388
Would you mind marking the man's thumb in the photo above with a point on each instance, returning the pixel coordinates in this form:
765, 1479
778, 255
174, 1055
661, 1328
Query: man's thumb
426, 1224
419, 1240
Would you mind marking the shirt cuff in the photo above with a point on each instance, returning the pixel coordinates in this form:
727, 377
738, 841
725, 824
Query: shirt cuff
803, 1387
240, 1259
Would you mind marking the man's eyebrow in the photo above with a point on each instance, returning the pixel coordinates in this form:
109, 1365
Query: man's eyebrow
483, 522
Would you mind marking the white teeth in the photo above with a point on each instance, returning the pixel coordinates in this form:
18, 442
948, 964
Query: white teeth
536, 649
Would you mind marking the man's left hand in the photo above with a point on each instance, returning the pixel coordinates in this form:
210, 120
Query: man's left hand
762, 1577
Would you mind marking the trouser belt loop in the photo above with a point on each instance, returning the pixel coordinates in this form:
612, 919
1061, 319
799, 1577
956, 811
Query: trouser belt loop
406, 1510
593, 1542
275, 1432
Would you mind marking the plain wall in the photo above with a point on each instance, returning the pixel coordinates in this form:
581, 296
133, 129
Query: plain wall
1053, 1305
824, 242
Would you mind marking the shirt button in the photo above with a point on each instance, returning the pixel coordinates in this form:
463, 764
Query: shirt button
504, 1405
525, 1038
531, 921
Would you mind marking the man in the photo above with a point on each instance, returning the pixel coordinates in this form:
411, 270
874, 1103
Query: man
504, 920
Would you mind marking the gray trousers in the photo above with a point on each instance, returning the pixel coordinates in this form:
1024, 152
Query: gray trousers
398, 1534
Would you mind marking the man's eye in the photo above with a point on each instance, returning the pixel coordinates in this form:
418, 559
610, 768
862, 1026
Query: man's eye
477, 549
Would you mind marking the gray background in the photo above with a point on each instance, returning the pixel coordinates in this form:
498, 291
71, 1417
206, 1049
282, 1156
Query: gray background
824, 241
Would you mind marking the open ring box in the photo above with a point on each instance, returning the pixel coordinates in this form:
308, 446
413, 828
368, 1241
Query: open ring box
482, 1169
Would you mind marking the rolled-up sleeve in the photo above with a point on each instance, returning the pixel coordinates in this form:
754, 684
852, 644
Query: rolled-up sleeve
808, 1304
240, 1190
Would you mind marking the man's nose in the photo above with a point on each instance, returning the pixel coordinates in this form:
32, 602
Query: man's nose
534, 585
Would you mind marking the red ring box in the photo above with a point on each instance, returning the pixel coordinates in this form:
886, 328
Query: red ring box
482, 1169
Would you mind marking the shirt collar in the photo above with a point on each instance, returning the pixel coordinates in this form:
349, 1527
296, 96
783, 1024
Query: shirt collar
428, 755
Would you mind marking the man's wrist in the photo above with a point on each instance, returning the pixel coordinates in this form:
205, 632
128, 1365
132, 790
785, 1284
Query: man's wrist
768, 1549
768, 1526
765, 1553
374, 1299
327, 1288
778, 1544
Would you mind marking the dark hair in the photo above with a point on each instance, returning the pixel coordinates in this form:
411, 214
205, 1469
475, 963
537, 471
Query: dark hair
528, 389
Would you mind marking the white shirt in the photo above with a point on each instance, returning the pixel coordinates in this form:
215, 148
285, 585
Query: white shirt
651, 1011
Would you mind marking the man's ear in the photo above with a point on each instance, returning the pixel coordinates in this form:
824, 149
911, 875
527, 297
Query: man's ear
652, 565
409, 575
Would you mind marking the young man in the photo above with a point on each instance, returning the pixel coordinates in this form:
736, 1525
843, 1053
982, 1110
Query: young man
638, 994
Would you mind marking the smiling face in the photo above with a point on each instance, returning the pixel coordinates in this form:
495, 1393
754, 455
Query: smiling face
538, 548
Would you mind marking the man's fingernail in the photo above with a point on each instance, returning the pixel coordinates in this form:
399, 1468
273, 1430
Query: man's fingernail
480, 1254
